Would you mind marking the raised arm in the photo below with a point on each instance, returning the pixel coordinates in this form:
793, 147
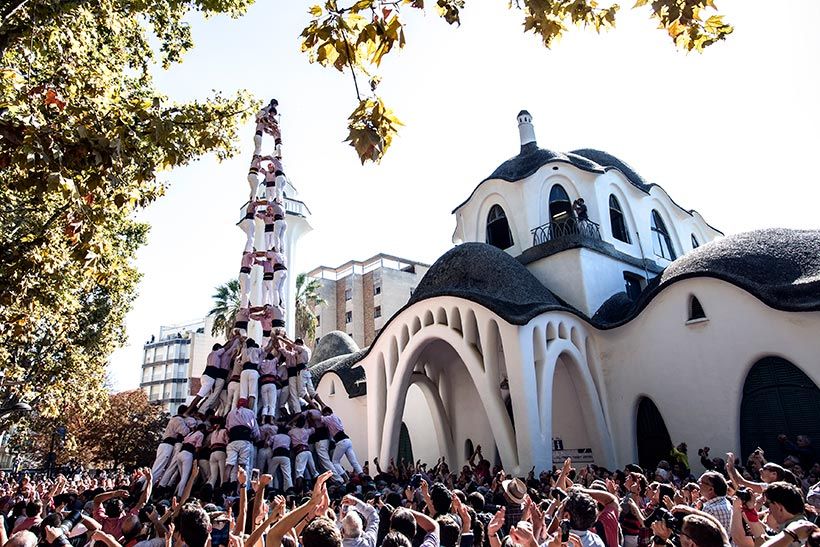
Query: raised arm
739, 481
297, 515
241, 516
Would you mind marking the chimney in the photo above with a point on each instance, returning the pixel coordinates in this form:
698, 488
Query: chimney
526, 130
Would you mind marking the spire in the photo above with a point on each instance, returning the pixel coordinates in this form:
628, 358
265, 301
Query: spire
526, 130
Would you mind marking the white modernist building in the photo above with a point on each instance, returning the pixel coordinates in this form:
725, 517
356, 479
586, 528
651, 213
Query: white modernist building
609, 328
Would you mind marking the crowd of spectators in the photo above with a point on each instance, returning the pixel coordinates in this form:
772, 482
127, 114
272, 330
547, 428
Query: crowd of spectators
757, 503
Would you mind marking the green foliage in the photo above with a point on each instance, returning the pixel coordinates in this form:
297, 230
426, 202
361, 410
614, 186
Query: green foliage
226, 305
307, 298
125, 430
84, 134
358, 35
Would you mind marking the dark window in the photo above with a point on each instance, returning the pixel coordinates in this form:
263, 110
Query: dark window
661, 242
560, 205
654, 442
695, 309
778, 398
377, 312
405, 451
633, 285
348, 317
498, 229
348, 294
616, 220
377, 289
695, 243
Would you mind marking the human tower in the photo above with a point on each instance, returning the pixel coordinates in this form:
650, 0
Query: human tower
250, 380
271, 375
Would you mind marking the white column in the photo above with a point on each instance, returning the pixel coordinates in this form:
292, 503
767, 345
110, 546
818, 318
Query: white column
533, 447
297, 227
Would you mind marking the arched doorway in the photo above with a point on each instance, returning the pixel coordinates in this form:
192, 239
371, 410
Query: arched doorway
455, 403
778, 398
653, 438
405, 446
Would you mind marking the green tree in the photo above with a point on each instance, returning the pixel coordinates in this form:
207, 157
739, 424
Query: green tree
356, 35
124, 431
307, 298
226, 305
84, 136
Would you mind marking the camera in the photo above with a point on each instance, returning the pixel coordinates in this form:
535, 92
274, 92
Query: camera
744, 495
558, 494
565, 527
671, 520
415, 480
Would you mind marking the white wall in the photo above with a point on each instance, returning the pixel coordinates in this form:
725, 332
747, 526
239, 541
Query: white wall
353, 412
695, 373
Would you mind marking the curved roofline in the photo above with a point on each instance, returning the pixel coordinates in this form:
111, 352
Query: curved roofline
642, 303
602, 170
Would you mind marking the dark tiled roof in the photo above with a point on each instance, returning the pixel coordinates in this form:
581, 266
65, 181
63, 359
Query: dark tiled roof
332, 344
614, 309
779, 266
352, 377
531, 159
488, 276
608, 160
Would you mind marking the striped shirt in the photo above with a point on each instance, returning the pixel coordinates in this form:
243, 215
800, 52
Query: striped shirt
721, 509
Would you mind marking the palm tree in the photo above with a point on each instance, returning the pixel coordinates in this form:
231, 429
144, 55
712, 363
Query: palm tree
226, 304
307, 298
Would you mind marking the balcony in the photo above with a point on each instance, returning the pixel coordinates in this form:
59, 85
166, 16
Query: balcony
292, 207
569, 228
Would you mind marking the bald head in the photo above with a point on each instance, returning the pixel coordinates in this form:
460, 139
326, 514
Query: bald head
22, 539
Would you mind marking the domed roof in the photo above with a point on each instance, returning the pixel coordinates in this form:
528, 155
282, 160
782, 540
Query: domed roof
352, 377
333, 344
607, 160
531, 159
490, 277
779, 266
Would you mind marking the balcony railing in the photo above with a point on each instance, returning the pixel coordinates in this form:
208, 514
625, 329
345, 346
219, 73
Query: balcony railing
565, 228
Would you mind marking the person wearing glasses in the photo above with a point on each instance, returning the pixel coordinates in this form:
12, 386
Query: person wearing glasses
713, 488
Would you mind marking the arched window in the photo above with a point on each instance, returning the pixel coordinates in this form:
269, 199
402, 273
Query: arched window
653, 439
661, 241
498, 229
695, 309
695, 243
560, 205
616, 220
778, 398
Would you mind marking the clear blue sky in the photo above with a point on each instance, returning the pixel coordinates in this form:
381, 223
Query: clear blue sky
732, 133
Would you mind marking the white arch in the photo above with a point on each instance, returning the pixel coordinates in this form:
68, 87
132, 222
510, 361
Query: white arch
544, 195
668, 220
626, 209
603, 445
481, 221
488, 392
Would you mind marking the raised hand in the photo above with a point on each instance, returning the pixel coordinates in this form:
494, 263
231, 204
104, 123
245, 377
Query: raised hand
497, 522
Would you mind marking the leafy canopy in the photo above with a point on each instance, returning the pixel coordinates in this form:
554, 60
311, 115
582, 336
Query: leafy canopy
357, 35
84, 137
